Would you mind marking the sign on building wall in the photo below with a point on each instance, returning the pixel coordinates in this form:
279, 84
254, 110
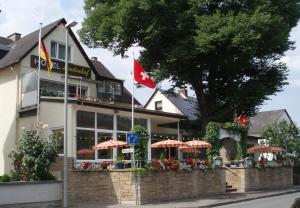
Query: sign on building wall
59, 66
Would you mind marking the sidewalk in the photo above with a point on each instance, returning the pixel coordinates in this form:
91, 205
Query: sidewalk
205, 201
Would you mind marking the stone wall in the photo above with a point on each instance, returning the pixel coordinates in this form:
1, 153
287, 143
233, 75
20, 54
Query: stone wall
249, 179
127, 187
179, 185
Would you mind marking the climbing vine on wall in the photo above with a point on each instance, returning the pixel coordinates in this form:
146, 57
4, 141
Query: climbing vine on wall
212, 136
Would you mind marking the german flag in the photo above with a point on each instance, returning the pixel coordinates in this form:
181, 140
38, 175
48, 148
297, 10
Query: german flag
45, 56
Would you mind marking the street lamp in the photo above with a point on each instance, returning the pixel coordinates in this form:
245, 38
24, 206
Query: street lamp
67, 27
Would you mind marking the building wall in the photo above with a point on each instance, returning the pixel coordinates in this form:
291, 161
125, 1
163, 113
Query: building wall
8, 115
249, 179
167, 105
58, 35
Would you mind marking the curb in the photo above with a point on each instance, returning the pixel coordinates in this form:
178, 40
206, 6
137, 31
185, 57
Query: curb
248, 199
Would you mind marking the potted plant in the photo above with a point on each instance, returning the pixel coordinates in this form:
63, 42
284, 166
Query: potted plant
120, 162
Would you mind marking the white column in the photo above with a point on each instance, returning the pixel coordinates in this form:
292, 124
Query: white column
179, 138
115, 153
149, 141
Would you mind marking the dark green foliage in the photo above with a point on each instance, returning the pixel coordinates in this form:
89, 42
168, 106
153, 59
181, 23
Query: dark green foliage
33, 158
5, 178
141, 148
227, 51
212, 136
284, 135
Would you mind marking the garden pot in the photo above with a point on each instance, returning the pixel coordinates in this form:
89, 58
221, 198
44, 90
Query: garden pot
120, 165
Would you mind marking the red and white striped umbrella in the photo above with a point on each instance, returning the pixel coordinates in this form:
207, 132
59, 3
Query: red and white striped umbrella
277, 149
198, 144
110, 144
189, 150
168, 143
265, 149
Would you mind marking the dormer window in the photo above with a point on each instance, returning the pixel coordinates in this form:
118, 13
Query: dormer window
158, 105
58, 51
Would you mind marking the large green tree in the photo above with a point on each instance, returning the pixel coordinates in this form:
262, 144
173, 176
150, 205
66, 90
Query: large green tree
284, 135
228, 51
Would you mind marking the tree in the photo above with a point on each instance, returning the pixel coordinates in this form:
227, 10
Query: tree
228, 51
284, 135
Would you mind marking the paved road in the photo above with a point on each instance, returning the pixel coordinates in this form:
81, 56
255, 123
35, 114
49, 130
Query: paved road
284, 201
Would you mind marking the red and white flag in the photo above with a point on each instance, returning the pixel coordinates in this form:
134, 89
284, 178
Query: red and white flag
141, 76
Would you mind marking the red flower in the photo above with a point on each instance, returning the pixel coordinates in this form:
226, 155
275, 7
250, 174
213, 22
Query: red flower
105, 164
205, 162
190, 160
85, 165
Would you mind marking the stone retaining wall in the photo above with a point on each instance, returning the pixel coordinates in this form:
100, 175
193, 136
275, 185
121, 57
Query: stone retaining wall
127, 187
249, 179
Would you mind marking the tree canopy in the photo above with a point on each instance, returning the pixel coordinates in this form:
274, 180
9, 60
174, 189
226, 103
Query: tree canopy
228, 51
284, 135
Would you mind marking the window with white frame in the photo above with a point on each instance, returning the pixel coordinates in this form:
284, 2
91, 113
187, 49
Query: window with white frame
93, 128
58, 51
109, 87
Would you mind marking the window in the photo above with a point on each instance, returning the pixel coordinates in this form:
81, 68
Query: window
158, 105
55, 89
123, 123
85, 142
58, 51
141, 121
105, 153
105, 121
52, 89
58, 134
85, 119
29, 82
110, 87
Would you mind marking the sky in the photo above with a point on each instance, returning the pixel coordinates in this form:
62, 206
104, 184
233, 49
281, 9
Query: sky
24, 17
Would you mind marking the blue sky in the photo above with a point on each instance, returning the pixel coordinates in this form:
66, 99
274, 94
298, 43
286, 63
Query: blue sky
24, 17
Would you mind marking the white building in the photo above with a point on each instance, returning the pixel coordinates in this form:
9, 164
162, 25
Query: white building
99, 107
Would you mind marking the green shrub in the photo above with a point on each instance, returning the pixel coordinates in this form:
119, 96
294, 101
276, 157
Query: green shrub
33, 158
141, 148
5, 178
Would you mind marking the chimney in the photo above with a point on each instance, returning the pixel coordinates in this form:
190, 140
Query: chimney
94, 58
14, 37
183, 92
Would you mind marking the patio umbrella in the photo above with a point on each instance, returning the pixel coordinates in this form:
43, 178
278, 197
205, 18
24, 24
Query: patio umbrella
277, 149
259, 149
198, 144
110, 144
265, 149
189, 150
168, 143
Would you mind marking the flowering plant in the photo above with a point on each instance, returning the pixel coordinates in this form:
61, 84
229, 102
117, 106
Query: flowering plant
104, 165
85, 166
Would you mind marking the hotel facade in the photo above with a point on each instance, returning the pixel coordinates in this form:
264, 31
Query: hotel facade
99, 106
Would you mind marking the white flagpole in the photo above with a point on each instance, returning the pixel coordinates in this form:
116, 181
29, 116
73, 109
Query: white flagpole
132, 95
38, 82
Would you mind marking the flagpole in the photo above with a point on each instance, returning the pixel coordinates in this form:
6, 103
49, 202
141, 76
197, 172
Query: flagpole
38, 82
132, 95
